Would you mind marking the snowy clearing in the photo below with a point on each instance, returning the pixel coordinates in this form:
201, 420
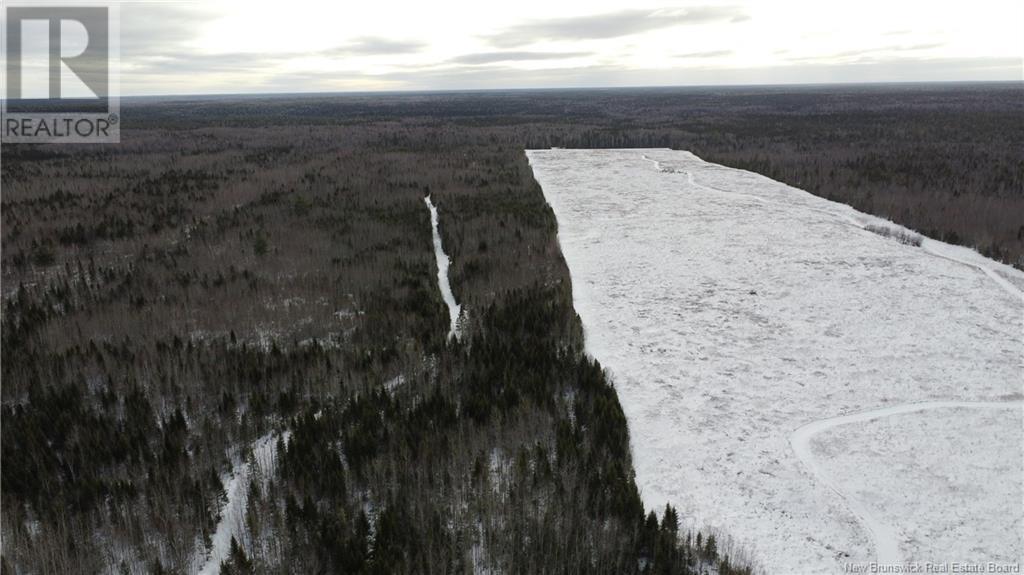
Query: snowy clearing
856, 450
442, 271
795, 372
884, 532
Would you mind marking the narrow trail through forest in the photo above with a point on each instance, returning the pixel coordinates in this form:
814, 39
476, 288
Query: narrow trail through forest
257, 465
443, 262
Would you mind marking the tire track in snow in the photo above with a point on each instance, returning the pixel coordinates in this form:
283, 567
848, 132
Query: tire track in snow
936, 249
885, 537
690, 180
454, 309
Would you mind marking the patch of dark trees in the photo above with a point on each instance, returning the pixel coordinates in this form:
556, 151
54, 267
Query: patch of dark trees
290, 292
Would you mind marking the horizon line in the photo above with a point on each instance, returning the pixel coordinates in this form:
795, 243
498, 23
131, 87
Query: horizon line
414, 91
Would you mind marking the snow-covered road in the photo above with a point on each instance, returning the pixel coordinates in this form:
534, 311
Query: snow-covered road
443, 262
257, 465
772, 355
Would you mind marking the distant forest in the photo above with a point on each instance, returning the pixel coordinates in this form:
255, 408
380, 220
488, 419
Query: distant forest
249, 283
942, 159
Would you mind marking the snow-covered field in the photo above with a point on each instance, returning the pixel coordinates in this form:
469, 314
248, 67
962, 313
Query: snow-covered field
826, 395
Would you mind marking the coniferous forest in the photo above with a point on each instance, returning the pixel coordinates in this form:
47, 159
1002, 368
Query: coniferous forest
224, 346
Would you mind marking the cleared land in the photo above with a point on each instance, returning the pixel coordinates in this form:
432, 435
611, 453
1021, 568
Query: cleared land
734, 311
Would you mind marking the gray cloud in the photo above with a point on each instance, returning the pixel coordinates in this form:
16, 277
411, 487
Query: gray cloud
160, 29
908, 69
612, 24
190, 63
166, 30
890, 48
503, 77
158, 46
867, 53
928, 46
159, 56
494, 57
182, 61
708, 54
375, 46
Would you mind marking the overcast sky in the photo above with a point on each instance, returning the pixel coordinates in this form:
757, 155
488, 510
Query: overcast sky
247, 46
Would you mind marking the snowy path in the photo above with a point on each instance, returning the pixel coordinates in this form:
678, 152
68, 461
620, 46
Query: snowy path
731, 309
886, 537
454, 309
259, 465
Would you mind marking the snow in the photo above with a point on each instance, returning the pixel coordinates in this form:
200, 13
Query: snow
827, 396
442, 271
258, 466
392, 385
853, 450
884, 533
